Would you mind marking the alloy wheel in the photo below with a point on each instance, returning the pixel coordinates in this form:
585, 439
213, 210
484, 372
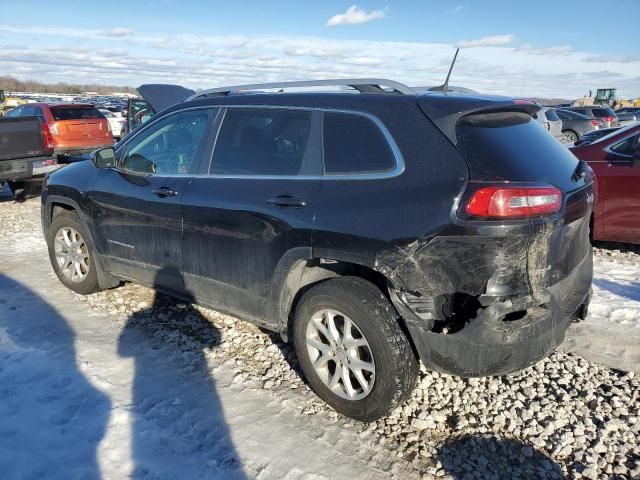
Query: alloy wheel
72, 254
340, 354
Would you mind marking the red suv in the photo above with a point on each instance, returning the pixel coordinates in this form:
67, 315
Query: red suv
615, 159
75, 127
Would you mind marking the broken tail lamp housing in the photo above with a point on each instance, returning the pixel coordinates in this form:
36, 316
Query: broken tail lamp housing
497, 202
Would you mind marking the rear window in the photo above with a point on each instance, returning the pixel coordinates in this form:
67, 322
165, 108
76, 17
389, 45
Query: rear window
603, 112
75, 113
511, 146
354, 144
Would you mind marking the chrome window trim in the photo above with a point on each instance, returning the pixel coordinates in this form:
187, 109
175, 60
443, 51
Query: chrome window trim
382, 175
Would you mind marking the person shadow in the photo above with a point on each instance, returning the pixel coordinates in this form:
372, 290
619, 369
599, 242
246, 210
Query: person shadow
52, 418
178, 423
492, 458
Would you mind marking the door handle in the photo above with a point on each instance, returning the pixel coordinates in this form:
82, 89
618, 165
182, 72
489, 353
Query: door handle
287, 201
165, 192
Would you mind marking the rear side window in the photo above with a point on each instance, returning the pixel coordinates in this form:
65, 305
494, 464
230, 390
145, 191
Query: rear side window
270, 141
354, 144
627, 146
511, 146
603, 112
75, 113
552, 116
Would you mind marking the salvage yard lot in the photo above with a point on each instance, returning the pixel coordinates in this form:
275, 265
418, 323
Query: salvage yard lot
125, 382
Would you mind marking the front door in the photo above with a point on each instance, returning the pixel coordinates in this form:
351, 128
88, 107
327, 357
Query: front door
254, 204
138, 205
622, 192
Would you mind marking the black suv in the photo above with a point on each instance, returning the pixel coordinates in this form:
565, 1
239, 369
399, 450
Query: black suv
371, 227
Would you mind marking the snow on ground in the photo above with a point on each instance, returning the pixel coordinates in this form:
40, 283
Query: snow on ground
126, 383
611, 333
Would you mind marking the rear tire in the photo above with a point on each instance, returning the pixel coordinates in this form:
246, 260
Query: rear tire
72, 255
364, 365
570, 136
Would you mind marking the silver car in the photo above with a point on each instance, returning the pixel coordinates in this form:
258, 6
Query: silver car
549, 118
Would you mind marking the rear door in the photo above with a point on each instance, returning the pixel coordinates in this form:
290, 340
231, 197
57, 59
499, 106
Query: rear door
138, 205
252, 206
621, 209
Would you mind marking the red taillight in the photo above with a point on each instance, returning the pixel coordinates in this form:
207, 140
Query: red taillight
47, 138
514, 202
595, 123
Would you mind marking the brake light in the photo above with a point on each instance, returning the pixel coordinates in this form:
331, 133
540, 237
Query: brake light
595, 123
514, 202
53, 128
47, 138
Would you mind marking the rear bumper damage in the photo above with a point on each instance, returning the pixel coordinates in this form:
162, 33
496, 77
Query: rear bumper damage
508, 333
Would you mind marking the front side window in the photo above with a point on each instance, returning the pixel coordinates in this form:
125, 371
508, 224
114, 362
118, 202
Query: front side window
169, 147
270, 141
353, 144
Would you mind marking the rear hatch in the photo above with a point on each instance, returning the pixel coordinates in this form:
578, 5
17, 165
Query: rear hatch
505, 147
79, 122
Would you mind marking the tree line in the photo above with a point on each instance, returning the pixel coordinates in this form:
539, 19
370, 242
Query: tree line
12, 84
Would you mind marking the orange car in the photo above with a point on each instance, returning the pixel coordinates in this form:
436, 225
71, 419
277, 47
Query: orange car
75, 127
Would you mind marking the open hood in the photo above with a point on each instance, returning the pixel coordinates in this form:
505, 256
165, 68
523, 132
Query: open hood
161, 96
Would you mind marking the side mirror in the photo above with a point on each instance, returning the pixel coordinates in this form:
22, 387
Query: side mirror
104, 157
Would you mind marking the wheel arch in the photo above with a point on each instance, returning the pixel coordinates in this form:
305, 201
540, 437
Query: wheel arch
299, 270
54, 206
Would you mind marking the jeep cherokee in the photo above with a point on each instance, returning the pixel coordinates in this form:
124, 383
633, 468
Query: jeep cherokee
374, 228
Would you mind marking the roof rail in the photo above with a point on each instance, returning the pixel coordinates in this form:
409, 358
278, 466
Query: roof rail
363, 85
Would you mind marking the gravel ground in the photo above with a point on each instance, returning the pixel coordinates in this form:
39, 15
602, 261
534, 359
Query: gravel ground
562, 418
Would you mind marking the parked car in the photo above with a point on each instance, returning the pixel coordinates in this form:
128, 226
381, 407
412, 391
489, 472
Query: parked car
26, 154
575, 125
594, 135
606, 114
361, 227
75, 128
550, 120
628, 115
615, 159
116, 122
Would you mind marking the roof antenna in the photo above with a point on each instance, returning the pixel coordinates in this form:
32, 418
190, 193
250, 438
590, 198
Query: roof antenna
445, 85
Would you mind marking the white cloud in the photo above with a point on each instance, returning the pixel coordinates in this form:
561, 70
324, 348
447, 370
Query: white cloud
491, 41
455, 10
206, 61
354, 15
118, 32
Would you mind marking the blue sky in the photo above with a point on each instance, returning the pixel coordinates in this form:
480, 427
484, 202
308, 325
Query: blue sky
544, 48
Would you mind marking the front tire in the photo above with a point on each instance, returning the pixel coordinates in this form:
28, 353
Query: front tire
72, 255
352, 350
